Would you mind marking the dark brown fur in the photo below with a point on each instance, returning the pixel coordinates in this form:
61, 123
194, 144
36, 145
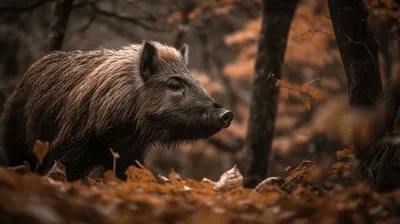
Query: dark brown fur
85, 102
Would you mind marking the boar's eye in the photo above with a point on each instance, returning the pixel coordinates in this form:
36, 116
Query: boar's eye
174, 86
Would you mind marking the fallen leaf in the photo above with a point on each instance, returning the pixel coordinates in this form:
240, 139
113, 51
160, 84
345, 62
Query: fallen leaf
337, 165
270, 184
57, 172
231, 180
176, 179
163, 179
135, 174
109, 176
344, 153
40, 149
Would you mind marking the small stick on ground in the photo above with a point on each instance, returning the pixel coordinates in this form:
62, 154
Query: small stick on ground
115, 156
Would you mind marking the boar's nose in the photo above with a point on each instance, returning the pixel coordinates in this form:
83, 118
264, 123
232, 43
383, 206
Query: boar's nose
225, 118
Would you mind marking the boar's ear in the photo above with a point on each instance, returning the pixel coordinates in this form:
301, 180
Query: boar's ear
147, 65
185, 53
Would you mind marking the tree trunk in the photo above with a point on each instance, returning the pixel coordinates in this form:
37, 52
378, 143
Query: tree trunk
59, 25
276, 20
378, 162
359, 50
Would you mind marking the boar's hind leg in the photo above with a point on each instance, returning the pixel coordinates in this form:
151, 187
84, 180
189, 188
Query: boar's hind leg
13, 134
77, 157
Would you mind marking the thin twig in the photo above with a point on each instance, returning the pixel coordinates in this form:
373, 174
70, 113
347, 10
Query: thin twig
115, 156
133, 20
314, 31
87, 25
23, 8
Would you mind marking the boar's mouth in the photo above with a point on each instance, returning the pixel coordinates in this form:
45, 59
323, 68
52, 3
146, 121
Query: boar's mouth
171, 134
183, 130
197, 134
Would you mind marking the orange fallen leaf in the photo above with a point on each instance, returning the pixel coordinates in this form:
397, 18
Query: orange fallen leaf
135, 174
40, 149
109, 176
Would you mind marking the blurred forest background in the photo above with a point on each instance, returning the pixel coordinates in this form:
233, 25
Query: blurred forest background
223, 38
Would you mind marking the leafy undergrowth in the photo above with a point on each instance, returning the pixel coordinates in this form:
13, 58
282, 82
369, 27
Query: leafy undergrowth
310, 194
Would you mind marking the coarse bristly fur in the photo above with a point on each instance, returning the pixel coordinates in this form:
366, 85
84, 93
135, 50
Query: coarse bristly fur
85, 102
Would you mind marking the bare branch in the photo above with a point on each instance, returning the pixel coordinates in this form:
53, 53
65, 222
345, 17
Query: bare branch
21, 6
118, 28
314, 31
87, 25
149, 16
133, 20
84, 3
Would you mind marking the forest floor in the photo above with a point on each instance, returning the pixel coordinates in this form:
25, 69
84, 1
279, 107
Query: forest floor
310, 193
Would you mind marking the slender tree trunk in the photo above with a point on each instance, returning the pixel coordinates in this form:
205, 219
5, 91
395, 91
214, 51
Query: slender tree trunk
59, 24
359, 50
188, 7
276, 20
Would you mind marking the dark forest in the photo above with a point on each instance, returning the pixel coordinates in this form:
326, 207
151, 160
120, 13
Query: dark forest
199, 111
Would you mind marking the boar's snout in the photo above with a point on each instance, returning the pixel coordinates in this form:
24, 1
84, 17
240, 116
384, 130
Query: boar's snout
222, 117
225, 118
